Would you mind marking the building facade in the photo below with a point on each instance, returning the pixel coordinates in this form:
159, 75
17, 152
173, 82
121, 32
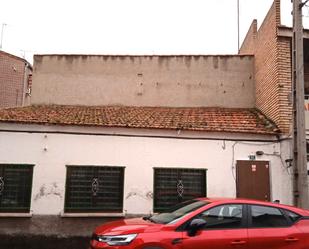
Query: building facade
191, 129
132, 135
163, 157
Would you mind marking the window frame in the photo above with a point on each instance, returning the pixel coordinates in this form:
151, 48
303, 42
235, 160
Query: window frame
24, 210
68, 210
281, 210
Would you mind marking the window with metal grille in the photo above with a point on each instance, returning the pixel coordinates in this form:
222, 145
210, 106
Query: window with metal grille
172, 186
94, 189
15, 188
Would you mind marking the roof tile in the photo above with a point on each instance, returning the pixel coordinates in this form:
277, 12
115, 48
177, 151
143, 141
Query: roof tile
190, 118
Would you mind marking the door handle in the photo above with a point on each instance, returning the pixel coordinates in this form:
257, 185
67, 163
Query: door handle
291, 240
176, 241
238, 242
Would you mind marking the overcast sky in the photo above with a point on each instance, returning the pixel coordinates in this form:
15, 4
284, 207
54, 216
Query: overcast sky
129, 26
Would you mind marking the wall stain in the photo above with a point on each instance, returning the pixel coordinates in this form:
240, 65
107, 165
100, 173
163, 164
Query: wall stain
84, 57
215, 61
136, 193
51, 189
224, 62
188, 61
37, 59
196, 57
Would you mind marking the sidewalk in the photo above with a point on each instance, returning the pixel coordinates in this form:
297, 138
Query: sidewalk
42, 242
47, 232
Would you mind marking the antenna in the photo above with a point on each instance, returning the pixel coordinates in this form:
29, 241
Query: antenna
238, 26
3, 25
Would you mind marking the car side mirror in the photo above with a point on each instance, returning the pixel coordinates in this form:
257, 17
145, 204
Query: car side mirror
195, 225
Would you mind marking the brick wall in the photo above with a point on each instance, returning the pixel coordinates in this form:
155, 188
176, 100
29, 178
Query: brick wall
272, 68
266, 65
285, 82
12, 77
248, 45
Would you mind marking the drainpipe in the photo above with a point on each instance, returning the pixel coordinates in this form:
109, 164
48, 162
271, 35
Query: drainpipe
25, 83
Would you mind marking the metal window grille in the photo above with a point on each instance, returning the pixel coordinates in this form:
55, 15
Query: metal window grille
172, 186
94, 189
15, 188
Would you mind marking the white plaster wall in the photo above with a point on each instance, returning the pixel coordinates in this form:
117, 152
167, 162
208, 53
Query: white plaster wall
144, 80
50, 153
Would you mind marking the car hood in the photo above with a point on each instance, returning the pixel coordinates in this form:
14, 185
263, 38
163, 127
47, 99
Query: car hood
127, 226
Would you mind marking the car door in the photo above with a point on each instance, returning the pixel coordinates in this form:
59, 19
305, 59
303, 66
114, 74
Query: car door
225, 228
270, 227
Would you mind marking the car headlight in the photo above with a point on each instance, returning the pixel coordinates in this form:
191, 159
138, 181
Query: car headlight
116, 240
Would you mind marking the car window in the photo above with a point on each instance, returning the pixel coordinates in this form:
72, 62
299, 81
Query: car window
223, 216
293, 216
263, 216
177, 212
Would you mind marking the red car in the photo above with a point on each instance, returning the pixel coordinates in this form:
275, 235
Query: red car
210, 224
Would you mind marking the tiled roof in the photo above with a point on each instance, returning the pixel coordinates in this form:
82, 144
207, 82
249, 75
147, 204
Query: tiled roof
194, 118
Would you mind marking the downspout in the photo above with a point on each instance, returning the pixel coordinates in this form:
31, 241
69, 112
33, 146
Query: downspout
25, 83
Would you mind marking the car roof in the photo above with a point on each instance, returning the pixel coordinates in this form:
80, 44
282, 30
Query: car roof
220, 200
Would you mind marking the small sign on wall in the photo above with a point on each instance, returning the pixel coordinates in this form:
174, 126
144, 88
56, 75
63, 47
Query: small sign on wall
253, 168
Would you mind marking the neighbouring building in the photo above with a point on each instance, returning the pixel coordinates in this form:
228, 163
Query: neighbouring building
271, 46
131, 135
15, 81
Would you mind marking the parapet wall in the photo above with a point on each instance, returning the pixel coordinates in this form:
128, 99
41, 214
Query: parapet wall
176, 81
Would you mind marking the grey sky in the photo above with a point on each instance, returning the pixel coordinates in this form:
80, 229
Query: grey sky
129, 26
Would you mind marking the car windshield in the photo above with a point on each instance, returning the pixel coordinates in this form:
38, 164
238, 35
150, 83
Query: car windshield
177, 212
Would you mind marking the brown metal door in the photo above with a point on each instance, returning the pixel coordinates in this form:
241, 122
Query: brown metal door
252, 180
